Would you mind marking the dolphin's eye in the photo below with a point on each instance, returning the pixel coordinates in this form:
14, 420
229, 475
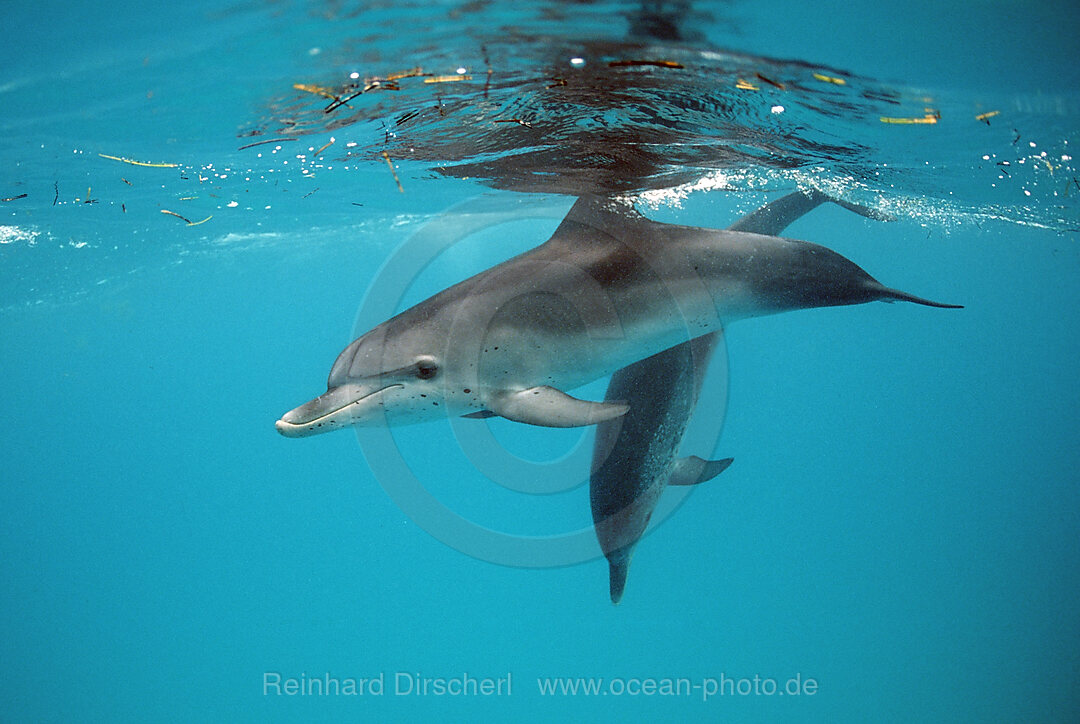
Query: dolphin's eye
426, 370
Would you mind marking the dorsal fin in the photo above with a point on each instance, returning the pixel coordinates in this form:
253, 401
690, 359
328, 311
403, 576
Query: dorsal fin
598, 212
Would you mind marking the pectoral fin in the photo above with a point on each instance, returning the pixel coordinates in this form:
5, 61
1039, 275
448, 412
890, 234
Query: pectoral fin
548, 407
693, 470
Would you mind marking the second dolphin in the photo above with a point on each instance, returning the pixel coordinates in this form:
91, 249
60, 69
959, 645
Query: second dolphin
635, 457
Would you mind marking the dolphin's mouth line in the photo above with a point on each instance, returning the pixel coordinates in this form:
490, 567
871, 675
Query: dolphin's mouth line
336, 410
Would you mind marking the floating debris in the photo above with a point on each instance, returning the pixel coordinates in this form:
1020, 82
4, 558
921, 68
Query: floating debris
654, 63
406, 117
745, 85
985, 117
558, 82
126, 181
771, 82
323, 147
829, 79
519, 121
339, 102
412, 73
379, 84
390, 163
447, 78
186, 220
387, 83
931, 117
14, 198
173, 213
133, 162
309, 193
263, 143
316, 90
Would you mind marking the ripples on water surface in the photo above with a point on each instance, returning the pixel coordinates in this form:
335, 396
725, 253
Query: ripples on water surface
625, 98
647, 103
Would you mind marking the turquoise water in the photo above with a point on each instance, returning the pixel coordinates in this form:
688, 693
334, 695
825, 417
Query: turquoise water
901, 521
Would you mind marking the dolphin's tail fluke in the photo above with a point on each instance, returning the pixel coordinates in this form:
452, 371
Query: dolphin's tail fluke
617, 571
895, 295
777, 215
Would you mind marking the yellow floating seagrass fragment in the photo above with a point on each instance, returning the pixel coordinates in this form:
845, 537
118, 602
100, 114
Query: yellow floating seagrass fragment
173, 213
412, 73
745, 85
656, 63
185, 219
985, 117
315, 90
447, 78
390, 163
929, 118
121, 159
829, 79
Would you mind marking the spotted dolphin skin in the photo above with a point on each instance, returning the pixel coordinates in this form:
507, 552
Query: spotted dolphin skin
636, 456
608, 289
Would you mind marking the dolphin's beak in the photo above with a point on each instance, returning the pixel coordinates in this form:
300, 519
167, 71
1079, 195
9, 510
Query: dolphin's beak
338, 407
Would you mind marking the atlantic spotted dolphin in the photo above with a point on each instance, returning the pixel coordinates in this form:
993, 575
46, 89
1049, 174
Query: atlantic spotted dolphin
635, 457
609, 288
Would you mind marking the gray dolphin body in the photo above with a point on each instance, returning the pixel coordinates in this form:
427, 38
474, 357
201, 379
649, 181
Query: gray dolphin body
636, 456
608, 289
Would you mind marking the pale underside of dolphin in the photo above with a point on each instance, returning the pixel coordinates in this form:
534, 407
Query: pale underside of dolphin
636, 456
608, 289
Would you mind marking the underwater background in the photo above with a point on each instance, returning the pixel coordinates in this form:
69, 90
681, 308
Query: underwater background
197, 207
